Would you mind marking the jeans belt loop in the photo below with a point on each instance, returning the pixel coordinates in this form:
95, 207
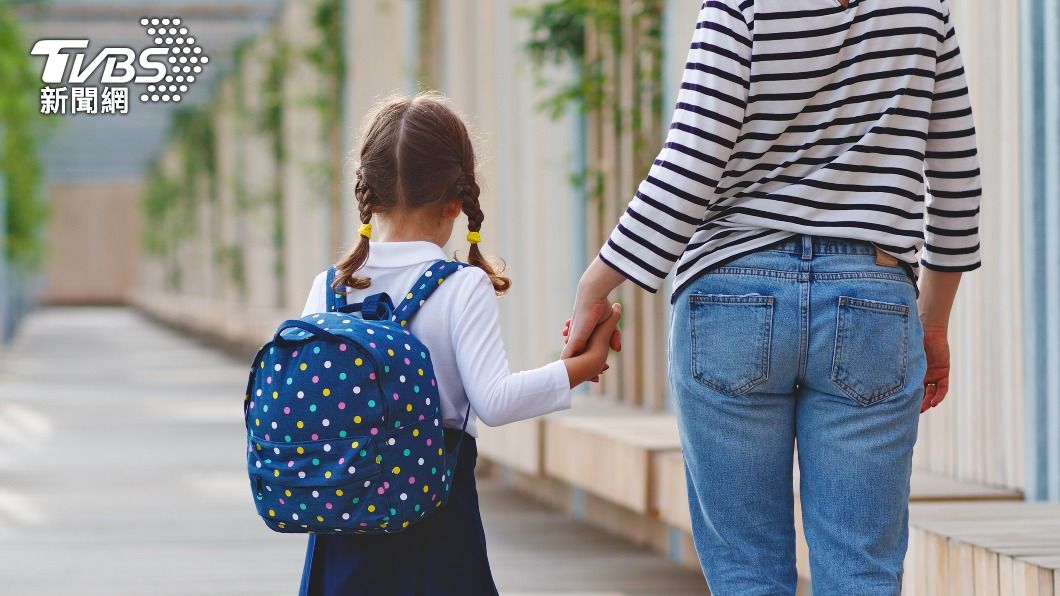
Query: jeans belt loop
807, 247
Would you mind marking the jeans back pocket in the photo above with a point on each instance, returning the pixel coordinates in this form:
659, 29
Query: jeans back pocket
731, 336
870, 359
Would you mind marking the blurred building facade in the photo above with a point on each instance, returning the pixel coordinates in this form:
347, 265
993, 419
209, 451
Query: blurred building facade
93, 165
252, 198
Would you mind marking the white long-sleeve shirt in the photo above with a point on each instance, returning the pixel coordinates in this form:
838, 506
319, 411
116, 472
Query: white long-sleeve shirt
460, 326
802, 117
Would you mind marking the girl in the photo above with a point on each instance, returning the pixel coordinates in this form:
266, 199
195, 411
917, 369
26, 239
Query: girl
416, 175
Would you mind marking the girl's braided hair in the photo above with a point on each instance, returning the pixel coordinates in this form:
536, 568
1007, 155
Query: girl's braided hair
415, 151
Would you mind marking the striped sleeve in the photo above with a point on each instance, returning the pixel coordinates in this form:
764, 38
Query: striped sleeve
951, 167
671, 202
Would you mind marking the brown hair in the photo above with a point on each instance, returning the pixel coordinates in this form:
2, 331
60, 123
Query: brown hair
415, 151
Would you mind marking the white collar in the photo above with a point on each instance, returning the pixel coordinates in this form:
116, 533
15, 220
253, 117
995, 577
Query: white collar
403, 254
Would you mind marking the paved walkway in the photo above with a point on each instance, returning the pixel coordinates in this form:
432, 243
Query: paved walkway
122, 473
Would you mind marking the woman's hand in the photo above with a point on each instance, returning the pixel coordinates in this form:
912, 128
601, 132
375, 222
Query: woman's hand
937, 291
937, 379
591, 308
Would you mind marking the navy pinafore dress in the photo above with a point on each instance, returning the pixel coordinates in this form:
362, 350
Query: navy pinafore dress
445, 555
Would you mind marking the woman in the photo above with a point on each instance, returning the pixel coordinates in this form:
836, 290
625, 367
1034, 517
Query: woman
790, 196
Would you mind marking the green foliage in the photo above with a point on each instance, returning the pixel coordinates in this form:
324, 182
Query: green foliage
193, 131
271, 123
270, 120
233, 256
171, 199
279, 236
169, 219
160, 195
649, 82
240, 113
170, 202
328, 55
329, 58
427, 34
558, 36
20, 130
232, 259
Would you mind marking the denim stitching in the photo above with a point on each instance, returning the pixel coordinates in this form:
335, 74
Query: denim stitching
755, 272
824, 252
764, 335
804, 333
874, 305
814, 276
880, 307
832, 276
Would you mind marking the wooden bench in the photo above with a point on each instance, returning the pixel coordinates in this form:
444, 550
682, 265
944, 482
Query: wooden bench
606, 450
996, 548
612, 457
518, 446
596, 462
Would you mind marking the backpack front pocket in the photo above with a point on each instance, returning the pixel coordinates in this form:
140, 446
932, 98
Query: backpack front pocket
731, 337
870, 357
331, 485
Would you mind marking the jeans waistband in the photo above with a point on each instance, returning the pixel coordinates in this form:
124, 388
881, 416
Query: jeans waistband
806, 245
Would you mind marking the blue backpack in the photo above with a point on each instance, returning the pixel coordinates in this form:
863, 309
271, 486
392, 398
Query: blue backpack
344, 429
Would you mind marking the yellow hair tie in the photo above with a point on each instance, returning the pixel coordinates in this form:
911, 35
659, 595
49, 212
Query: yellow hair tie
366, 230
474, 237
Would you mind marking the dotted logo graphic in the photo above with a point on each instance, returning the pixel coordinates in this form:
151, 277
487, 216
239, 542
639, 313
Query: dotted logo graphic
185, 59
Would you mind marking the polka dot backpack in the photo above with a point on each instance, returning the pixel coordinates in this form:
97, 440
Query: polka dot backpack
344, 430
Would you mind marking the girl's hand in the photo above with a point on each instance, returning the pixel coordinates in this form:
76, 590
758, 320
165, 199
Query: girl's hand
617, 333
591, 362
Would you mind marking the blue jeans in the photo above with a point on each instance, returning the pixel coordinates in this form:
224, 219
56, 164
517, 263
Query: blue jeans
808, 340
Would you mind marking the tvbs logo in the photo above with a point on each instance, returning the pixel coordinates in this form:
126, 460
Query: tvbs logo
166, 68
117, 63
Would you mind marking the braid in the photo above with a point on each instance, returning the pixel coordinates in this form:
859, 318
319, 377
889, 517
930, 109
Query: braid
365, 197
468, 191
356, 258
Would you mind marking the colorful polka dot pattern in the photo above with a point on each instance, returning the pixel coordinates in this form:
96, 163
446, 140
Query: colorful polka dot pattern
345, 433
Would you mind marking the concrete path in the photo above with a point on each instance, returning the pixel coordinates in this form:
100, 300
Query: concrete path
122, 473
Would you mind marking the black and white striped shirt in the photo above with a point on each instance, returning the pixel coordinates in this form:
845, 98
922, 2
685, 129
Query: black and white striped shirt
801, 116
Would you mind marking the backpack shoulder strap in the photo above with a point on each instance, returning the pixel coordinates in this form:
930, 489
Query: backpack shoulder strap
411, 302
336, 300
423, 288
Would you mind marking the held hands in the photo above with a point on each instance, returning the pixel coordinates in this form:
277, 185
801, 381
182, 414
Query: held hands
591, 308
593, 327
585, 320
592, 360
